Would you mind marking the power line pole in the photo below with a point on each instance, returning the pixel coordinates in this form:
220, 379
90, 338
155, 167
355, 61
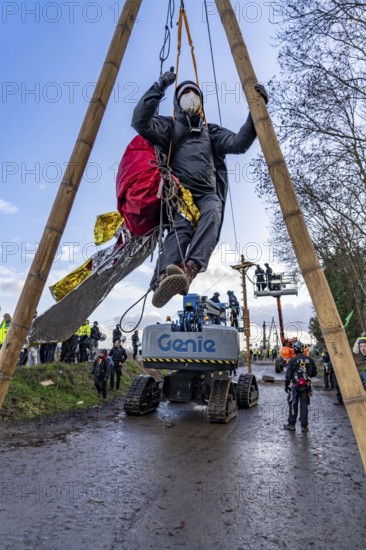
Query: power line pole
243, 268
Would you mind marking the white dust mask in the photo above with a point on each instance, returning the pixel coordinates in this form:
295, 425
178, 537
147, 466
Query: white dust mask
190, 103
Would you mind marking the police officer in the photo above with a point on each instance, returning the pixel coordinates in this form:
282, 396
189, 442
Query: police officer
234, 307
135, 343
259, 272
118, 355
329, 377
298, 386
215, 298
269, 273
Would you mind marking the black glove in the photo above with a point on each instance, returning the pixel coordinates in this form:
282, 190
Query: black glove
166, 80
262, 91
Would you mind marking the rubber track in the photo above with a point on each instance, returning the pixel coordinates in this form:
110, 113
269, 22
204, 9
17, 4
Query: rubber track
135, 402
218, 401
243, 391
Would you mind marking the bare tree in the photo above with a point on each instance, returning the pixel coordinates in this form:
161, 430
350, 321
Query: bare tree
319, 109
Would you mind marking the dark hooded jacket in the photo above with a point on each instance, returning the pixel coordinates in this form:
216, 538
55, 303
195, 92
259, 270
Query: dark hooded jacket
198, 157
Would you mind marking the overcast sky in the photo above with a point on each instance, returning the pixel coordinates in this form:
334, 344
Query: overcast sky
52, 57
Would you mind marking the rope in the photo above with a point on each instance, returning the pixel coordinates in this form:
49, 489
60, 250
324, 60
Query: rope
144, 297
219, 109
183, 18
165, 50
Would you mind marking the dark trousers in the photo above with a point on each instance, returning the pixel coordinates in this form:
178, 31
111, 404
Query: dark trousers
101, 385
135, 349
234, 319
68, 350
329, 378
50, 352
303, 400
338, 391
83, 346
116, 370
43, 353
201, 242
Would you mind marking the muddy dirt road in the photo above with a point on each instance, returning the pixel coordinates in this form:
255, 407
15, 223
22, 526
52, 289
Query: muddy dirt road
100, 479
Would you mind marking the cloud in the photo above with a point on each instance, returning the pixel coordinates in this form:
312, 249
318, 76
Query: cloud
12, 287
7, 207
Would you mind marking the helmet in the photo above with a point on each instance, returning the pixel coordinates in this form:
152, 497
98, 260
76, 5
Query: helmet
216, 293
298, 347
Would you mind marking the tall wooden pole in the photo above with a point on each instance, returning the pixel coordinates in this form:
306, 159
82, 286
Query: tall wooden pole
61, 209
333, 332
243, 268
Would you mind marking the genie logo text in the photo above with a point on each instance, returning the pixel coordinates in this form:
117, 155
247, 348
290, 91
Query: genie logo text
167, 343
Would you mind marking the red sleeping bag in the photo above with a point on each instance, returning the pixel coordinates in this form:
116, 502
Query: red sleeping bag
137, 184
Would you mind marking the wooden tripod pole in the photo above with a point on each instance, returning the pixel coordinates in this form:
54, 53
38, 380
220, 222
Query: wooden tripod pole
334, 335
61, 209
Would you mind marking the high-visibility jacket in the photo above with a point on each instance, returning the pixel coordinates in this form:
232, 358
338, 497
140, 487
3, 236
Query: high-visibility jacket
84, 330
4, 327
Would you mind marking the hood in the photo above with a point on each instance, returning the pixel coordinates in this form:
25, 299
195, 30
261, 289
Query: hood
185, 83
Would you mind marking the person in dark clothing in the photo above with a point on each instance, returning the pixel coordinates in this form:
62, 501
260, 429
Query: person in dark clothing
300, 370
68, 349
197, 159
259, 272
234, 309
101, 372
215, 298
117, 333
95, 336
135, 343
118, 355
50, 352
42, 354
329, 376
269, 273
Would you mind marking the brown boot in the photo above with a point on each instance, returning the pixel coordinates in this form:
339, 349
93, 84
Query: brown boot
191, 270
172, 282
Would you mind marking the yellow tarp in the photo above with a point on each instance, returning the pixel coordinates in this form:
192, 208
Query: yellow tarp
106, 226
71, 281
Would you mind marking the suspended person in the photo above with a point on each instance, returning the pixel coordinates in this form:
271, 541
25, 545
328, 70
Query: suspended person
118, 355
197, 158
259, 273
300, 369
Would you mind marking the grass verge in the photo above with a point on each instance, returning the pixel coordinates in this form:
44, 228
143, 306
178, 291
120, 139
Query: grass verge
72, 388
